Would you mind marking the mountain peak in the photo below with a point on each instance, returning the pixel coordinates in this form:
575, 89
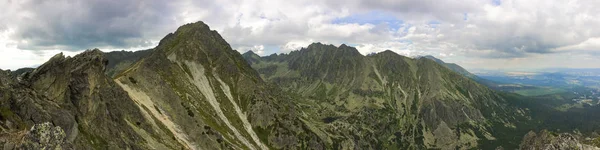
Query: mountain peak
433, 58
93, 53
88, 60
388, 53
191, 32
251, 57
319, 44
195, 41
58, 56
193, 26
249, 53
350, 49
342, 49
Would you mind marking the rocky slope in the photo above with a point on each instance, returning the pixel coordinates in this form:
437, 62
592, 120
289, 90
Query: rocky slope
452, 66
388, 101
118, 61
191, 92
551, 141
210, 98
69, 102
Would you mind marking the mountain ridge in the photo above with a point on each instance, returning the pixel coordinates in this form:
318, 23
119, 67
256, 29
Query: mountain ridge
203, 82
74, 96
325, 74
193, 91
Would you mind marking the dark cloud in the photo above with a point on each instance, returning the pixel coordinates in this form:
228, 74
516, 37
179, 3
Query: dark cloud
517, 47
511, 29
83, 24
415, 10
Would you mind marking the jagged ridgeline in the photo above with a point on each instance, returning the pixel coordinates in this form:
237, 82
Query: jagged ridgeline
390, 101
190, 92
193, 91
206, 94
69, 103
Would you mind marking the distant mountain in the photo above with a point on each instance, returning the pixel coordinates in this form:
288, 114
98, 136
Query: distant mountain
251, 57
452, 66
531, 83
460, 70
412, 103
21, 71
118, 61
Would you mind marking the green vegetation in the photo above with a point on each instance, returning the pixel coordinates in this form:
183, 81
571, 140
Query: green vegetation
119, 61
539, 91
340, 87
194, 91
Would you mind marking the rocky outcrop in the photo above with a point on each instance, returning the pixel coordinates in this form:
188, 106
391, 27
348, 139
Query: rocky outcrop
118, 61
74, 94
5, 78
548, 140
42, 136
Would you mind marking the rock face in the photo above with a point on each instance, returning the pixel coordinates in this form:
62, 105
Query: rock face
75, 95
42, 136
118, 61
210, 98
192, 92
547, 140
386, 100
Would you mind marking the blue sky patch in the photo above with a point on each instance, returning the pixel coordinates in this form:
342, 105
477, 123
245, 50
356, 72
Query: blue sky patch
372, 17
434, 23
496, 2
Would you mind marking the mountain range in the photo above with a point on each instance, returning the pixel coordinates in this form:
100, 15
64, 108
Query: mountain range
193, 91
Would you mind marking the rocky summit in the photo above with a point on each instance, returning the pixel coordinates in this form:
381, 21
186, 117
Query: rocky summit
193, 91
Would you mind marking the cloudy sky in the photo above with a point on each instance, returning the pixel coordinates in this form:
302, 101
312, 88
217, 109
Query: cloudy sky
477, 34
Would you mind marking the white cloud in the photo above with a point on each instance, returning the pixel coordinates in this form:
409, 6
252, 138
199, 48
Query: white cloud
258, 49
591, 44
463, 31
295, 45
